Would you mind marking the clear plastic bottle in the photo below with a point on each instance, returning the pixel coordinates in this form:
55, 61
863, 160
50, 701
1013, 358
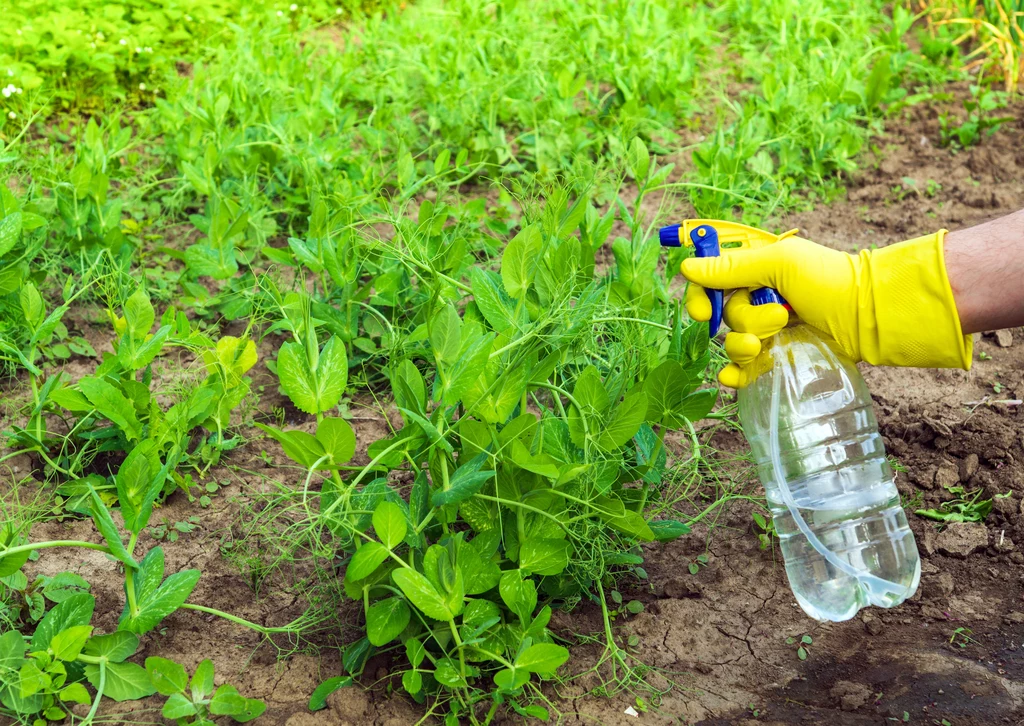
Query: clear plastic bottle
843, 534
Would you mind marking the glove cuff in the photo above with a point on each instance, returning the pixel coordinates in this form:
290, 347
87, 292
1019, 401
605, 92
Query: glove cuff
915, 321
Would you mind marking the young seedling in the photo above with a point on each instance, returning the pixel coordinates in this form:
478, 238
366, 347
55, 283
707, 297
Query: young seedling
801, 645
701, 561
195, 702
764, 529
961, 637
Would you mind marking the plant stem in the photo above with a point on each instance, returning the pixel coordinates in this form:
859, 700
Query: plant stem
129, 588
99, 693
237, 620
54, 543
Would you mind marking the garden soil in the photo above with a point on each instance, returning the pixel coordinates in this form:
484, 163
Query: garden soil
955, 651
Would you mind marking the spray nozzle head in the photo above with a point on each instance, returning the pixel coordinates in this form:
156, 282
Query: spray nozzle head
669, 236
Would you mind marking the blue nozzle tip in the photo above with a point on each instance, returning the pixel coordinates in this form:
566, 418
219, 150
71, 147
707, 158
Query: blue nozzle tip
669, 236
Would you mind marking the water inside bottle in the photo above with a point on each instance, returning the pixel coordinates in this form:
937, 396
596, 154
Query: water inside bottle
843, 533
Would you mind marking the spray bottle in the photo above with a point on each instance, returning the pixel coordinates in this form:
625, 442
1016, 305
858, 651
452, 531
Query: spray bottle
809, 421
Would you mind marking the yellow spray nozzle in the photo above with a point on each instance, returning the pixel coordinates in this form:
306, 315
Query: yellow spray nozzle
731, 235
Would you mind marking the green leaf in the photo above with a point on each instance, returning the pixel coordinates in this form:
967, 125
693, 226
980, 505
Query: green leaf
156, 600
586, 416
542, 556
75, 693
878, 82
297, 380
300, 447
139, 315
168, 677
31, 304
520, 595
12, 651
10, 231
412, 682
389, 523
519, 260
313, 391
332, 374
638, 159
446, 335
464, 483
32, 679
422, 594
105, 524
447, 673
116, 646
435, 436
415, 651
178, 706
698, 404
124, 681
480, 574
366, 559
542, 658
76, 610
631, 523
511, 680
227, 701
498, 309
68, 643
386, 619
9, 564
543, 464
409, 389
666, 530
134, 479
471, 363
441, 162
63, 585
113, 405
337, 438
319, 698
202, 681
625, 420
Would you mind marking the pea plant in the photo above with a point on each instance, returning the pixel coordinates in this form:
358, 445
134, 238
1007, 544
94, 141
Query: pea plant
535, 402
40, 675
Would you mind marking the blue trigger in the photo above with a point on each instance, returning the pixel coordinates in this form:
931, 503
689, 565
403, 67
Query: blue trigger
765, 295
705, 244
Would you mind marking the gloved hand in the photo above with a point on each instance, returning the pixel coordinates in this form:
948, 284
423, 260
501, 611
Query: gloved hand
890, 306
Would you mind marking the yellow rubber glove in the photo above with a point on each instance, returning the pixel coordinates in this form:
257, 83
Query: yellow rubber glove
890, 306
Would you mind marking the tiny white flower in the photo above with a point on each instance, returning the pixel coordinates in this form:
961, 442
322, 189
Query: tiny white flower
17, 90
138, 50
10, 72
188, 18
293, 7
6, 92
142, 86
337, 11
11, 114
123, 41
280, 14
148, 49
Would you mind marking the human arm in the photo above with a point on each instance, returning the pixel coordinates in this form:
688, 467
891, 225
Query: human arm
910, 304
985, 264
